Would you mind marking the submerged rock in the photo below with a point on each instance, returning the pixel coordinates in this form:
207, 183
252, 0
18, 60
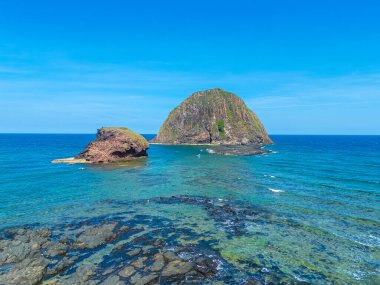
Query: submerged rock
130, 248
112, 280
176, 267
206, 266
134, 252
25, 273
59, 248
158, 263
127, 271
145, 280
23, 251
213, 116
93, 237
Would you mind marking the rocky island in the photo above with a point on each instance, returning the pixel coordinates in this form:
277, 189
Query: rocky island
215, 117
112, 144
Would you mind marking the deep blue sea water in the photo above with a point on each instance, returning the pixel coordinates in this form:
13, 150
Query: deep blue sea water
322, 194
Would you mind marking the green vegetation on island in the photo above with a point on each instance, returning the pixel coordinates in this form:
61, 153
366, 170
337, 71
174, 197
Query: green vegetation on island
213, 116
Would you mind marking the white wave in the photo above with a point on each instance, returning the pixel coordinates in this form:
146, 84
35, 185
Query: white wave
374, 237
300, 278
219, 264
276, 190
271, 176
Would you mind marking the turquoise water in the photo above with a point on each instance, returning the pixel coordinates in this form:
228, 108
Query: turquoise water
317, 198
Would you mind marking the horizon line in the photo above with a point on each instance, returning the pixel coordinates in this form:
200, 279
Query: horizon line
277, 134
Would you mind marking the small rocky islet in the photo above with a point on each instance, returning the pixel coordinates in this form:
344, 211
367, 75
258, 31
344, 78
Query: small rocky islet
112, 144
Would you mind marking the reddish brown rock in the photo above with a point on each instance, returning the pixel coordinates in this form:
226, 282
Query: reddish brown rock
114, 144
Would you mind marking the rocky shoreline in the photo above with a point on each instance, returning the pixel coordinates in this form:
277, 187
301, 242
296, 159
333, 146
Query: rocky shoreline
113, 249
238, 150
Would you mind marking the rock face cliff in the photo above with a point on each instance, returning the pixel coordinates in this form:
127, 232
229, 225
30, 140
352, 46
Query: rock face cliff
114, 144
212, 116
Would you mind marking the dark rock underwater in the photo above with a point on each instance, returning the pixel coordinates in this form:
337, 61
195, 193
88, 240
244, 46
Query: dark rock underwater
114, 249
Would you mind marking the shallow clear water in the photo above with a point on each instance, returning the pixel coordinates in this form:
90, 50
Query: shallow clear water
319, 197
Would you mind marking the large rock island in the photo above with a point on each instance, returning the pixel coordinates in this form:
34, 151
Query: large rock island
212, 116
112, 144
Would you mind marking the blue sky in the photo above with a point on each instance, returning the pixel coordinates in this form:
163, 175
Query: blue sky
305, 67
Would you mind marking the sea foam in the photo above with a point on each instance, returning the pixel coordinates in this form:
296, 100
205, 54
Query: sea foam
276, 190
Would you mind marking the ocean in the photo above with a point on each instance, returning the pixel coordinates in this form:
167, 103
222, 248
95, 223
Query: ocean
308, 212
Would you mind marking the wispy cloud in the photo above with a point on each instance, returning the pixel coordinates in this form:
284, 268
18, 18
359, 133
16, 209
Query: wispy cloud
11, 70
114, 94
309, 91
